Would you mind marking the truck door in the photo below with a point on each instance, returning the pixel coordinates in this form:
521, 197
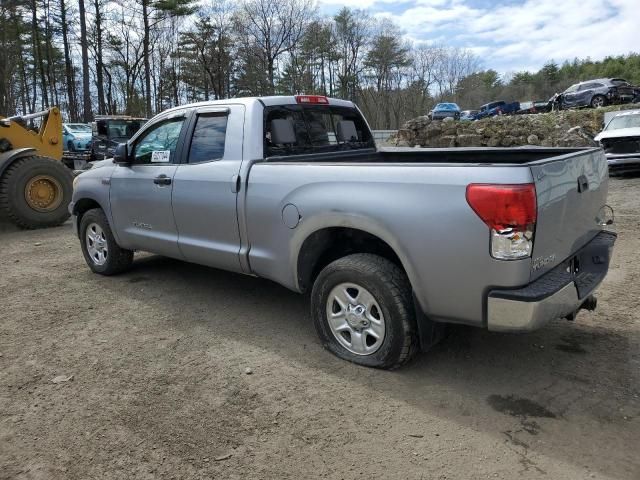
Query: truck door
140, 193
206, 185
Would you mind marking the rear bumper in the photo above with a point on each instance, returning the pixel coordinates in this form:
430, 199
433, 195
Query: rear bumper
559, 293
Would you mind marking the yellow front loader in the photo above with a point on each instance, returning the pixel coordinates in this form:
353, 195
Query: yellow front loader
35, 186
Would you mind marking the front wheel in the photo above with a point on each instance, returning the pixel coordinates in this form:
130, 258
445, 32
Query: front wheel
99, 247
363, 311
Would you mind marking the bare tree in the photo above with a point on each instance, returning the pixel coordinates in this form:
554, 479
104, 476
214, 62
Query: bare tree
353, 32
274, 28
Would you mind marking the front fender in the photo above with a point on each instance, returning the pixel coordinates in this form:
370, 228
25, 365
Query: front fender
7, 158
92, 188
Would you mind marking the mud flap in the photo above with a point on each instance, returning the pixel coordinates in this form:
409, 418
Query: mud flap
430, 332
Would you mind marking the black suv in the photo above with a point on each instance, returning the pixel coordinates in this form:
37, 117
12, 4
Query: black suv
595, 93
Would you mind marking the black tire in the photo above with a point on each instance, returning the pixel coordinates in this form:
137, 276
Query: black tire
118, 259
13, 198
70, 146
392, 291
598, 101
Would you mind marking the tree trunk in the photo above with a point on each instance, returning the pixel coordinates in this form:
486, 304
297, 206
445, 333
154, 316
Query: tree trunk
271, 71
145, 53
37, 56
68, 67
87, 114
102, 109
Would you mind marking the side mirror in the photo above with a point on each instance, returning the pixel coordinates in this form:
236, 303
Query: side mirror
121, 155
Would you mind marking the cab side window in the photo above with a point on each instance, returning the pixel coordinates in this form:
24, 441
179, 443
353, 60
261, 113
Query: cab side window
158, 144
208, 139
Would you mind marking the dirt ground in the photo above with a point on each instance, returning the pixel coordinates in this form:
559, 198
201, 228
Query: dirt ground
159, 390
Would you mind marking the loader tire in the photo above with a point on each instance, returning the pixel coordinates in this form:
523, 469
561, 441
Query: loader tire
35, 192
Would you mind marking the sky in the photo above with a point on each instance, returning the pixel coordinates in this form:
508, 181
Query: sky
513, 35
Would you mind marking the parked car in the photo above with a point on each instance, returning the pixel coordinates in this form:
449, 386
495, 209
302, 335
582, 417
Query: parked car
109, 131
468, 115
444, 110
595, 93
497, 108
526, 108
620, 140
283, 188
538, 106
542, 106
76, 137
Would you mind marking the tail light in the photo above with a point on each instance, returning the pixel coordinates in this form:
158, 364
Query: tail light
510, 212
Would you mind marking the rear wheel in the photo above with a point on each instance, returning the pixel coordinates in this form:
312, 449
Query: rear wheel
35, 192
99, 247
598, 101
363, 311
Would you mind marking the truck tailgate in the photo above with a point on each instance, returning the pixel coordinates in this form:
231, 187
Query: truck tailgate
571, 192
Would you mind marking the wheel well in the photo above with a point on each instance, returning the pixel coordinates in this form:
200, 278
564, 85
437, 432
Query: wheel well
324, 246
83, 206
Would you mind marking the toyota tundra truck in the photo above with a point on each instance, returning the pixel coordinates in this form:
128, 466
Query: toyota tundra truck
390, 243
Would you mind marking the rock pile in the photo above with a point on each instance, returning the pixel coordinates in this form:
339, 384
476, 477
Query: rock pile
570, 128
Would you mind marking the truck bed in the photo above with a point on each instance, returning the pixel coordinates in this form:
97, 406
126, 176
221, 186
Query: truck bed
414, 200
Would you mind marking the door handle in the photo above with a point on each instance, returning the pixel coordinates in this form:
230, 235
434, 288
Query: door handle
583, 183
162, 180
235, 184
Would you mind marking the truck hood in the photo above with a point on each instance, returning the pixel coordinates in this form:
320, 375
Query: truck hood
618, 133
101, 163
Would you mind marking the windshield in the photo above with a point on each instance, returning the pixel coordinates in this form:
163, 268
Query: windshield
119, 129
447, 106
79, 128
624, 121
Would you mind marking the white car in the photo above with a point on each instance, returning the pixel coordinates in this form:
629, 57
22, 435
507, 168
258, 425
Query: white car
621, 141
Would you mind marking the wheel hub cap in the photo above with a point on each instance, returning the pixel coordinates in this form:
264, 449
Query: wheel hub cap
96, 243
43, 193
355, 318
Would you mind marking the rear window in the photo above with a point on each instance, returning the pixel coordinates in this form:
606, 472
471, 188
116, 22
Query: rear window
619, 82
315, 128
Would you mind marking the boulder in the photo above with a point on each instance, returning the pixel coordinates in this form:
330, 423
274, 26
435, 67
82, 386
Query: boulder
567, 128
469, 140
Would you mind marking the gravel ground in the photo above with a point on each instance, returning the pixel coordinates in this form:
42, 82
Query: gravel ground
185, 372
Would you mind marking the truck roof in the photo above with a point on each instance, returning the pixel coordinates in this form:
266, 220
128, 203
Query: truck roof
249, 101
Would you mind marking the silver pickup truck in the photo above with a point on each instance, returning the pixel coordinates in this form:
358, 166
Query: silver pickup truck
390, 243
